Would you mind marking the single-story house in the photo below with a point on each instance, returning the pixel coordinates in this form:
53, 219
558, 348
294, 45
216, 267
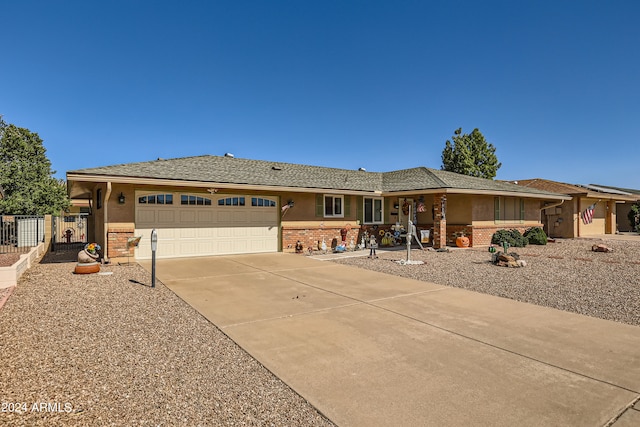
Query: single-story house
592, 210
208, 205
623, 208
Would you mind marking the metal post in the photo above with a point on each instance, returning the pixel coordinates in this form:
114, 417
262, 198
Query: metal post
410, 228
154, 246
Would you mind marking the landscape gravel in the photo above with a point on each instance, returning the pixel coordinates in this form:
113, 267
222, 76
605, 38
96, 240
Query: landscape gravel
566, 275
106, 349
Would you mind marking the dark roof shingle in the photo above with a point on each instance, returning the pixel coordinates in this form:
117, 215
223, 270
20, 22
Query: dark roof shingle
231, 170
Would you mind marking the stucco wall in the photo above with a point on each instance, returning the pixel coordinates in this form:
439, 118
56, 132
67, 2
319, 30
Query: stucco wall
598, 224
459, 209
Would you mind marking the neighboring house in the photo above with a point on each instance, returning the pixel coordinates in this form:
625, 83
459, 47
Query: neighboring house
623, 209
211, 205
592, 210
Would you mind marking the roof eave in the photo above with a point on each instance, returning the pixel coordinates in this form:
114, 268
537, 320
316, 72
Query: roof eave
546, 196
116, 179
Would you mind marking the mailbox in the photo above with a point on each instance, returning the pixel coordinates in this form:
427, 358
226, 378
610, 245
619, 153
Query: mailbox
154, 246
154, 240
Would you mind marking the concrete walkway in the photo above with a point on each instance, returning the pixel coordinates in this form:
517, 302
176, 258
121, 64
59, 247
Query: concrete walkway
370, 349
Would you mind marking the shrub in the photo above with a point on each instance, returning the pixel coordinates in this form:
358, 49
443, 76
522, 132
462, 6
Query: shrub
536, 236
512, 237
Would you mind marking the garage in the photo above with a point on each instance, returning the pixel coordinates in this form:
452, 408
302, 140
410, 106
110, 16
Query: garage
200, 225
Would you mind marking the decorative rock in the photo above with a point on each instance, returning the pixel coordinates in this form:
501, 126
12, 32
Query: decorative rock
506, 258
601, 248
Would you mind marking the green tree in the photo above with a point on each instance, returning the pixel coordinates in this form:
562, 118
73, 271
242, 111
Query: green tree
26, 176
470, 154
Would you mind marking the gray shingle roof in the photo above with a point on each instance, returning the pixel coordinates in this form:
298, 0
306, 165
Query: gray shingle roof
219, 169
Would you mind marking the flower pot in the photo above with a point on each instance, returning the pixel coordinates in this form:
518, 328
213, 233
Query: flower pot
87, 268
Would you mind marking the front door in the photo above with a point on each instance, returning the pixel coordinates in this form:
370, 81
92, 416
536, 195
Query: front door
405, 211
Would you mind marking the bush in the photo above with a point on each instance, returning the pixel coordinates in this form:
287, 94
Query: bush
513, 237
536, 236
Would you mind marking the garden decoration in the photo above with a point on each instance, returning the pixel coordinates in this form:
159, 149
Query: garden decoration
373, 245
132, 242
462, 241
410, 235
88, 259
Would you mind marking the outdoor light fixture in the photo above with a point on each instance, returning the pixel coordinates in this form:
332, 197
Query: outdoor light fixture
290, 203
121, 199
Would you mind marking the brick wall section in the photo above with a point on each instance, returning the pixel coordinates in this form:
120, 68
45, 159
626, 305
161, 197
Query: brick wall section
309, 236
455, 231
482, 234
439, 222
117, 242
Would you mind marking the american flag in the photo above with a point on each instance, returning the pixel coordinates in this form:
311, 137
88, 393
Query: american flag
587, 215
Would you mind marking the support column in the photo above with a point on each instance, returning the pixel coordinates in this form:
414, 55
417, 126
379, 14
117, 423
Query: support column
439, 220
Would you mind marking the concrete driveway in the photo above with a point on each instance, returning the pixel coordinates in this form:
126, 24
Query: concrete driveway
369, 349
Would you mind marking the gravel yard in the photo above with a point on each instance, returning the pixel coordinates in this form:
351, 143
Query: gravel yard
566, 275
109, 350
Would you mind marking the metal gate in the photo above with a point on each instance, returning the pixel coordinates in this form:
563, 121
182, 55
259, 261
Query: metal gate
69, 232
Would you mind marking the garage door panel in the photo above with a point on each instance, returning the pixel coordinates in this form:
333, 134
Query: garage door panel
187, 233
206, 230
240, 232
146, 217
260, 217
188, 217
206, 218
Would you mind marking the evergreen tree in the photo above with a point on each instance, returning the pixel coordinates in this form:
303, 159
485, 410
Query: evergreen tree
470, 155
26, 176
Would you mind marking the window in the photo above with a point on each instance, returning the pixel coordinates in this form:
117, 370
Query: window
156, 199
99, 198
372, 210
189, 200
333, 206
231, 201
508, 209
258, 201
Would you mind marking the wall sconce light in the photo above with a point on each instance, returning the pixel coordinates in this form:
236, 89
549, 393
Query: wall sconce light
121, 199
290, 203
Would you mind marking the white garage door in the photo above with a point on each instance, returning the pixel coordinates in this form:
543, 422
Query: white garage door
199, 225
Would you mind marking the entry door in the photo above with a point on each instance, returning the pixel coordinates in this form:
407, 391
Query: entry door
405, 211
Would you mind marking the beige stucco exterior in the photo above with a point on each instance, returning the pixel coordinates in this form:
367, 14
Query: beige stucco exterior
446, 212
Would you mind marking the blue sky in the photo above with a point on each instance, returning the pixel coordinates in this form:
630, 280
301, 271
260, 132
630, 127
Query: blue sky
553, 85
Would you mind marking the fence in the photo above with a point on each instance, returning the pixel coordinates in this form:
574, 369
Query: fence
19, 233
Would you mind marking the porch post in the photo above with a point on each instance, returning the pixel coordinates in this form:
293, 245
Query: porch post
439, 220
